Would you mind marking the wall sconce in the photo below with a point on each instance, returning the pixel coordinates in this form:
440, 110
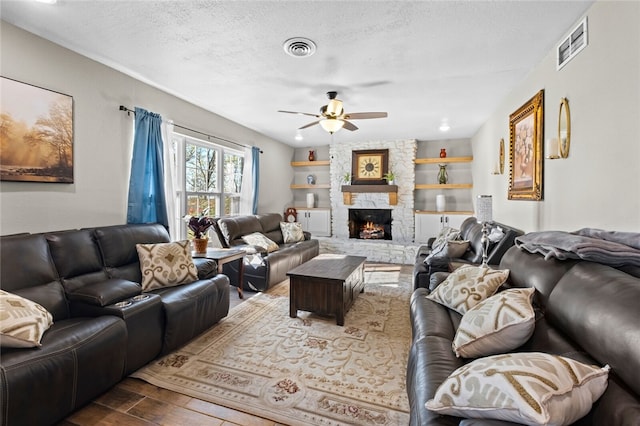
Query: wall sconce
551, 149
498, 168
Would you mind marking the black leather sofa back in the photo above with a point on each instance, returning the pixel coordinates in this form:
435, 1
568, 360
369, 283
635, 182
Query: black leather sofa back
76, 257
27, 269
235, 227
117, 244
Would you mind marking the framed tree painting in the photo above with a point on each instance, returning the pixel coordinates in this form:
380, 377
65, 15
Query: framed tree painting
36, 134
526, 132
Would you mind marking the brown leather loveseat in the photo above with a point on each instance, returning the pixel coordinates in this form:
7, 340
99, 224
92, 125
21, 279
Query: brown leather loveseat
104, 327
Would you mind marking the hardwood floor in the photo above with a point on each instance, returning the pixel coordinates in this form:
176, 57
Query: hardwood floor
134, 402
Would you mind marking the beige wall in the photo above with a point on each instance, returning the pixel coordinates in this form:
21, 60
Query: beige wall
102, 140
599, 184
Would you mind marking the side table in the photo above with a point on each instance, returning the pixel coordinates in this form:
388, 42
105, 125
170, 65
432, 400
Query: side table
223, 256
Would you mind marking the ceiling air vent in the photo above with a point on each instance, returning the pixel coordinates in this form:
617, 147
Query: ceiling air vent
299, 47
572, 44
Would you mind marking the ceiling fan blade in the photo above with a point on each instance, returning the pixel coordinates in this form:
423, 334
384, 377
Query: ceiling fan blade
363, 115
349, 126
309, 125
301, 113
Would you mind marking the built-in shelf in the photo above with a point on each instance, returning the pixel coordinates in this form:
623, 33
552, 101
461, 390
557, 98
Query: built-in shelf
438, 160
310, 163
444, 186
308, 186
392, 190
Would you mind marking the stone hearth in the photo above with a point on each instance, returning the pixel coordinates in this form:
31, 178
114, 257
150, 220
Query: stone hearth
400, 249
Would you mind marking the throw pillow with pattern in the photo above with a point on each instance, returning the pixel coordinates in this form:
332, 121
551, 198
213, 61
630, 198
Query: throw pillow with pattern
292, 232
496, 325
166, 264
467, 286
532, 388
22, 321
260, 240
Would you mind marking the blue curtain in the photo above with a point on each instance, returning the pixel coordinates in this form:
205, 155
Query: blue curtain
146, 185
255, 169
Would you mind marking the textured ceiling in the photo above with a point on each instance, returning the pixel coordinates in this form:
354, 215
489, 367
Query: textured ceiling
421, 61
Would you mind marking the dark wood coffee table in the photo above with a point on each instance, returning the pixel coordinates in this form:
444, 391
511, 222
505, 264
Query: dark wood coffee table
328, 284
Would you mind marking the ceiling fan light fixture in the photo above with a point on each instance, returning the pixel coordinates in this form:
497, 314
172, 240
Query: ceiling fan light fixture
334, 108
331, 125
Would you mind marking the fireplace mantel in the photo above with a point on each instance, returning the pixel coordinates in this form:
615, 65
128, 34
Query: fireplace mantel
347, 190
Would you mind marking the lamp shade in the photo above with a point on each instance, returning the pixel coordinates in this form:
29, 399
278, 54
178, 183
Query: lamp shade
484, 208
331, 125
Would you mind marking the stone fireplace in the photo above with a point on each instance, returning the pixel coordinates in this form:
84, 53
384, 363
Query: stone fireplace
398, 247
370, 224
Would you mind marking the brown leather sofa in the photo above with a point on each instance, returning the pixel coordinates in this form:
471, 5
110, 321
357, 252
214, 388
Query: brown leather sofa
585, 311
261, 269
79, 276
471, 231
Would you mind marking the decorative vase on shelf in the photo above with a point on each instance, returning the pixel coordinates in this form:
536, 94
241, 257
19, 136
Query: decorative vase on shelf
312, 155
443, 153
441, 203
442, 174
310, 200
311, 179
200, 245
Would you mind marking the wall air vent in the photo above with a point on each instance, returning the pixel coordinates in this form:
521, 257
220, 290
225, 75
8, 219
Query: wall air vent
572, 44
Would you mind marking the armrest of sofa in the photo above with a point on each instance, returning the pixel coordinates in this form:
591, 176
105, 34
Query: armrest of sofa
105, 292
207, 268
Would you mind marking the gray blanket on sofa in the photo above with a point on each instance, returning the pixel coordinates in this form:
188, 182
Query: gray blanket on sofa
607, 247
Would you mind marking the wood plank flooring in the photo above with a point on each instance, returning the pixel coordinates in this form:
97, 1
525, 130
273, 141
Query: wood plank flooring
134, 402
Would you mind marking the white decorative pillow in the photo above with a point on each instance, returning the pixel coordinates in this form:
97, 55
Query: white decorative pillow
22, 321
496, 325
260, 240
292, 232
467, 286
166, 264
531, 388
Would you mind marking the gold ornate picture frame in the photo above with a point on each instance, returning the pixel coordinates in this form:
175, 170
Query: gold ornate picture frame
526, 134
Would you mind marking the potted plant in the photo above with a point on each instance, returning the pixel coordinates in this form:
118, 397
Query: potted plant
390, 177
346, 178
199, 225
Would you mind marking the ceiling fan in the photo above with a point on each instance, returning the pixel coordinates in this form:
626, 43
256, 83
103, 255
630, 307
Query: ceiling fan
333, 118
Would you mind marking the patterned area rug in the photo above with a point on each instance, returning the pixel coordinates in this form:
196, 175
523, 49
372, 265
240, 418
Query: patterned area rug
305, 370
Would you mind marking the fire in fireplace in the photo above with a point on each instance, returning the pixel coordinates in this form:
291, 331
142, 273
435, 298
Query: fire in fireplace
370, 224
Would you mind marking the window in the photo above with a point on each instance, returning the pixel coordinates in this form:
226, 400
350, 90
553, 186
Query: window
209, 178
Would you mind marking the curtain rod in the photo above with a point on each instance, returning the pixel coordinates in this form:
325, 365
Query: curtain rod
131, 111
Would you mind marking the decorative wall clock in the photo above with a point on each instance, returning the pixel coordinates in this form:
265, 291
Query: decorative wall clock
369, 166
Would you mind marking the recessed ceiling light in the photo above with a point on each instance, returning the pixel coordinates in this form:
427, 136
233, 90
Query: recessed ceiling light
444, 127
47, 1
298, 136
299, 47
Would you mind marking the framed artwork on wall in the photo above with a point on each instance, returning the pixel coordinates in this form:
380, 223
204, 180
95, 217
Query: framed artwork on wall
526, 133
36, 134
369, 166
